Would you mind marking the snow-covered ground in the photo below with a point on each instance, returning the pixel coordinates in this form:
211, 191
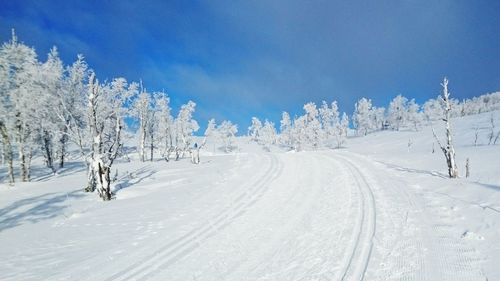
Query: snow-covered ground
379, 209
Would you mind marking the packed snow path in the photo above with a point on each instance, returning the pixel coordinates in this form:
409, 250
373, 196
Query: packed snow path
326, 215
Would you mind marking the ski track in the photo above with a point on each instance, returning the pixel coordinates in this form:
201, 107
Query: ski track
359, 252
344, 218
425, 246
173, 251
323, 220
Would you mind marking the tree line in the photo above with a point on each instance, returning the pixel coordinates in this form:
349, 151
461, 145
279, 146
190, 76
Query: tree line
46, 106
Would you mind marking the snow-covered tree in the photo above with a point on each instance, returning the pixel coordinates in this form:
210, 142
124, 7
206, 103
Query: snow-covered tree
314, 133
154, 120
329, 118
414, 116
19, 79
448, 149
299, 132
226, 131
341, 130
254, 129
362, 116
286, 129
70, 107
211, 130
165, 125
397, 112
432, 110
378, 118
48, 126
268, 133
106, 110
141, 111
186, 126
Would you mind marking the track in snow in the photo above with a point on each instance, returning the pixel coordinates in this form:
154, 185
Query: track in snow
422, 245
325, 215
171, 252
360, 249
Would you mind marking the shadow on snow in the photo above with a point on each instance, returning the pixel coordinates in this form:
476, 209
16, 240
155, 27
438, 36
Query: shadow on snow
35, 209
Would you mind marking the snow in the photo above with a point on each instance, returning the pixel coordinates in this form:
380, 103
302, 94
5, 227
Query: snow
377, 209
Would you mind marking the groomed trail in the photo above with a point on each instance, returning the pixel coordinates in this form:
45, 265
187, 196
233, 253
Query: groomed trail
323, 215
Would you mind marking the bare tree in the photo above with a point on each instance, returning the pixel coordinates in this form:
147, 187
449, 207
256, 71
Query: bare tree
467, 168
476, 135
448, 149
492, 128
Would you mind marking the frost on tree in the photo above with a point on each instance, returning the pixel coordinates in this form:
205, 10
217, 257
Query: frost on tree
268, 134
254, 129
285, 129
447, 149
432, 110
152, 113
141, 110
313, 130
106, 110
341, 130
226, 131
165, 126
397, 112
185, 127
362, 116
71, 107
329, 117
414, 116
210, 132
18, 80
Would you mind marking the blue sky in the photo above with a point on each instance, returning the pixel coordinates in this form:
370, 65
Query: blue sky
239, 59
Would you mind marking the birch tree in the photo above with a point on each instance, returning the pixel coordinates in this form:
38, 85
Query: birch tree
165, 126
362, 116
254, 129
397, 112
414, 116
211, 131
106, 110
19, 73
226, 132
268, 133
186, 126
71, 109
141, 110
341, 130
447, 149
313, 133
286, 129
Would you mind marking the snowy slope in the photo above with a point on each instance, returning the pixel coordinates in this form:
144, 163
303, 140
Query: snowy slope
376, 210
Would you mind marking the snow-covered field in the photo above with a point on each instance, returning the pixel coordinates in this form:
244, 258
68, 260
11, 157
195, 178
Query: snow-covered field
379, 209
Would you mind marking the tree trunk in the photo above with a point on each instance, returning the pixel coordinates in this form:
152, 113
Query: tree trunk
22, 162
47, 147
63, 141
104, 181
91, 181
448, 150
467, 168
20, 148
142, 149
452, 165
152, 146
28, 164
7, 152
